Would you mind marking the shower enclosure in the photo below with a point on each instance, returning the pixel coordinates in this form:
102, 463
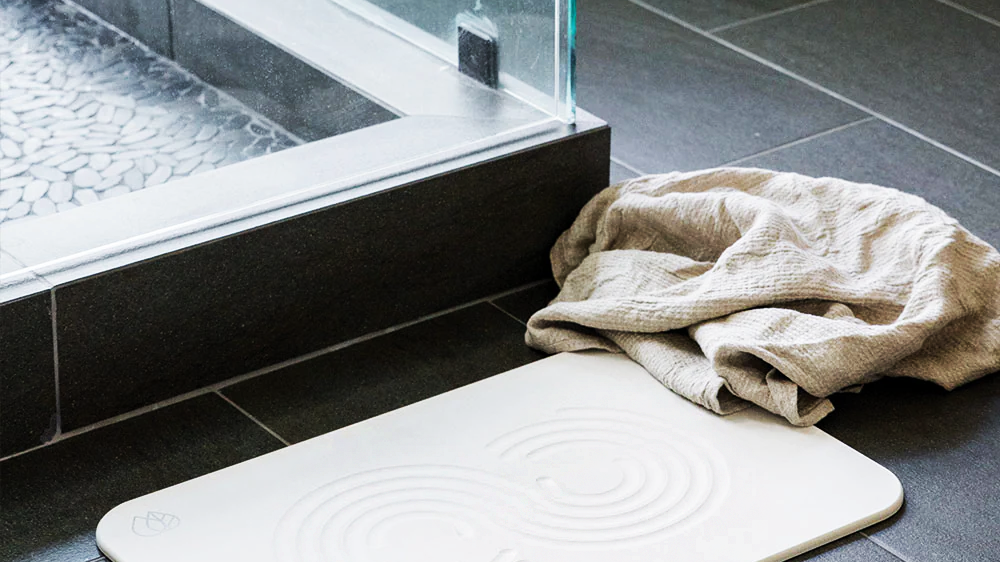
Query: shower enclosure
194, 189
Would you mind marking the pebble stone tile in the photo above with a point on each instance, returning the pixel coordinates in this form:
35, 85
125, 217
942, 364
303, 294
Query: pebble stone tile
86, 113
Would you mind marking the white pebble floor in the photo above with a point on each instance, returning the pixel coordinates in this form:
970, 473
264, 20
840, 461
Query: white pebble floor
86, 113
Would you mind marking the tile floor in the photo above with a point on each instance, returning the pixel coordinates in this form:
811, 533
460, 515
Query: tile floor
901, 93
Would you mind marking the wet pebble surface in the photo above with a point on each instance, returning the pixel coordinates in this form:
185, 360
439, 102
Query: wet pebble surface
104, 116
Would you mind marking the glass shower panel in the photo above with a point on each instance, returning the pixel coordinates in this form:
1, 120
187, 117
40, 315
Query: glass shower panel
534, 40
180, 118
88, 113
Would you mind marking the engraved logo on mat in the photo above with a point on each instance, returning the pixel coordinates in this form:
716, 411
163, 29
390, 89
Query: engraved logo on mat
154, 523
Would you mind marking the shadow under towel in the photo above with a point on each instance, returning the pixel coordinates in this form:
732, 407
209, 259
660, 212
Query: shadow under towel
740, 285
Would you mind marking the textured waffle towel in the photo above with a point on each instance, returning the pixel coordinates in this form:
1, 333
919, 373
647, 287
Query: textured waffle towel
736, 285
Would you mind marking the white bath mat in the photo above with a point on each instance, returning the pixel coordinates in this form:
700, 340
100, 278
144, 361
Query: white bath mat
575, 458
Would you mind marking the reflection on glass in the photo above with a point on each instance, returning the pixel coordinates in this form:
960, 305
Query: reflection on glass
534, 37
89, 113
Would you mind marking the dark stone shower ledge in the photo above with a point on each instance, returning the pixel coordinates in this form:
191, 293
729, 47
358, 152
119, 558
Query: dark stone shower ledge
288, 253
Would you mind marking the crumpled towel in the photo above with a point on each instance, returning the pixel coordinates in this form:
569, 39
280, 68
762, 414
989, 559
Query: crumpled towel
741, 285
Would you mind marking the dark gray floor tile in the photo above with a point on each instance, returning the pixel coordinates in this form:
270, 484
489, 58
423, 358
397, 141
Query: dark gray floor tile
944, 448
620, 173
27, 374
874, 152
922, 63
852, 548
386, 373
708, 14
523, 304
54, 497
676, 100
148, 21
988, 8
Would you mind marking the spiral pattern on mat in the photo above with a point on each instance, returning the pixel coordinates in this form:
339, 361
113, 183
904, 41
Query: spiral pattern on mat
663, 481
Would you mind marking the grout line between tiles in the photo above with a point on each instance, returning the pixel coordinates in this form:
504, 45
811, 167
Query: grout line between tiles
970, 12
801, 141
768, 15
795, 142
885, 547
265, 370
627, 166
501, 309
253, 419
55, 364
814, 85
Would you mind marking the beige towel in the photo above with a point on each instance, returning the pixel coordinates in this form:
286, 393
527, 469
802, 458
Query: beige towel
736, 285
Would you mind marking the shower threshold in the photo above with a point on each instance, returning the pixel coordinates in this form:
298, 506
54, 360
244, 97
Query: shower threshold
259, 218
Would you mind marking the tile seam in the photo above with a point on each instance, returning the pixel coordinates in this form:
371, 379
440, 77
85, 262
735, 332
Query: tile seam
802, 140
970, 11
501, 309
265, 370
627, 166
55, 364
816, 86
766, 16
881, 544
253, 418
